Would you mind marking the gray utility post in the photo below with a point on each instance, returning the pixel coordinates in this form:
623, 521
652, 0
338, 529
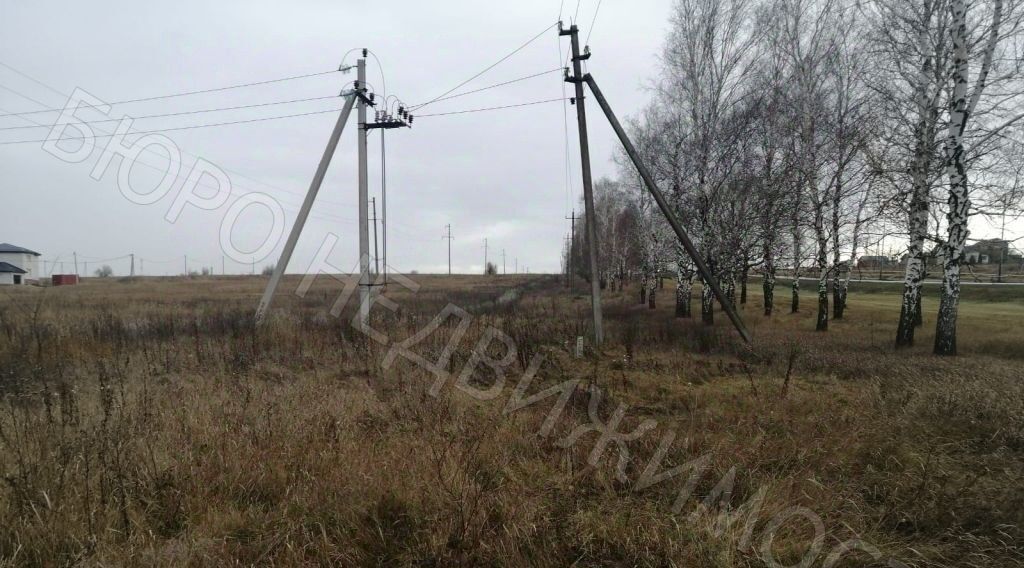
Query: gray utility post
503, 271
376, 259
485, 257
133, 265
307, 205
448, 236
364, 201
698, 260
588, 189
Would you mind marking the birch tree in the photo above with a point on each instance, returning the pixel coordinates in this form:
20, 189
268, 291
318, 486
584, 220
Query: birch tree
708, 57
963, 103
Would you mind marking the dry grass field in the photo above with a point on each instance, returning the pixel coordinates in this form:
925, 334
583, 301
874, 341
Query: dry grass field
149, 423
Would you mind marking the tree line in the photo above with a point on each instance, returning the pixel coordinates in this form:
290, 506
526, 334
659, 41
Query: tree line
789, 135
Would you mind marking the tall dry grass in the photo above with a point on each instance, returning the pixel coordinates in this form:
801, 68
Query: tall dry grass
150, 423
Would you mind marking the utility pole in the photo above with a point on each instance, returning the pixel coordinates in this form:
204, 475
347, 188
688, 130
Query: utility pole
85, 268
364, 228
677, 227
572, 241
133, 265
376, 259
588, 189
448, 237
485, 257
75, 254
503, 271
142, 266
360, 97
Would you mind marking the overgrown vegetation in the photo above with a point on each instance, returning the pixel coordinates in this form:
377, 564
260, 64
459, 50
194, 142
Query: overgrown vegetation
149, 423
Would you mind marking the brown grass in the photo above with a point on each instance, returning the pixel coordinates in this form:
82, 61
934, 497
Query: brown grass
148, 423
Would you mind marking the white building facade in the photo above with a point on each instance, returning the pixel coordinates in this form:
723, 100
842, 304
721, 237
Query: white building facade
23, 258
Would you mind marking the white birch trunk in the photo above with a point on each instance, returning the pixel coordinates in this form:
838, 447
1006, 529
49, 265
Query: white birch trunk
959, 199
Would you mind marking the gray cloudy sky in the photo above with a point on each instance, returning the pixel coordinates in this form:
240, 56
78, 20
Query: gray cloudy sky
499, 175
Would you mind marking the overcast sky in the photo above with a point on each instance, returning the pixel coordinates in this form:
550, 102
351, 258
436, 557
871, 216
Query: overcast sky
498, 175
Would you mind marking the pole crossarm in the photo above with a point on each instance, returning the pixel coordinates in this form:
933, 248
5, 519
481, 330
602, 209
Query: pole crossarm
634, 156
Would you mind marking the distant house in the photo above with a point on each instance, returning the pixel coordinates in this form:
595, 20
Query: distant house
991, 251
10, 274
21, 258
874, 261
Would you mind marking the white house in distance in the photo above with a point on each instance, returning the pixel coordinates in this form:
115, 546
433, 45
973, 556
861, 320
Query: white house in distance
18, 265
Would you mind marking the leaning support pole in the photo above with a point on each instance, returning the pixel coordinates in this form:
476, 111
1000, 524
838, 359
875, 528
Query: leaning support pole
307, 205
663, 205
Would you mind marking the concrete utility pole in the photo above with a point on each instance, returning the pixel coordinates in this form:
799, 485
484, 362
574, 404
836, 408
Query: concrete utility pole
503, 271
376, 259
75, 254
133, 265
142, 266
307, 205
485, 257
364, 225
448, 237
588, 189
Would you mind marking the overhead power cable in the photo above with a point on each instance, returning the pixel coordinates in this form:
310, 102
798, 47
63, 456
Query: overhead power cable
486, 69
182, 94
183, 113
182, 174
592, 21
491, 108
496, 85
159, 130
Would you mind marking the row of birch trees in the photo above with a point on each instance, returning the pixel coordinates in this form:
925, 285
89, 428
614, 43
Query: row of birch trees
790, 135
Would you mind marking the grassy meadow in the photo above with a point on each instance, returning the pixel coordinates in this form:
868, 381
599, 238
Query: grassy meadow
150, 423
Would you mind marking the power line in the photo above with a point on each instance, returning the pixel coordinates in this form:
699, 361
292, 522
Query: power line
182, 174
565, 130
594, 19
509, 82
183, 113
491, 108
486, 69
210, 125
173, 95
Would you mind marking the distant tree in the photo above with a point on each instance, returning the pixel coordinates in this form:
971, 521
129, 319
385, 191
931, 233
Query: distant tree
104, 271
268, 269
491, 269
206, 271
